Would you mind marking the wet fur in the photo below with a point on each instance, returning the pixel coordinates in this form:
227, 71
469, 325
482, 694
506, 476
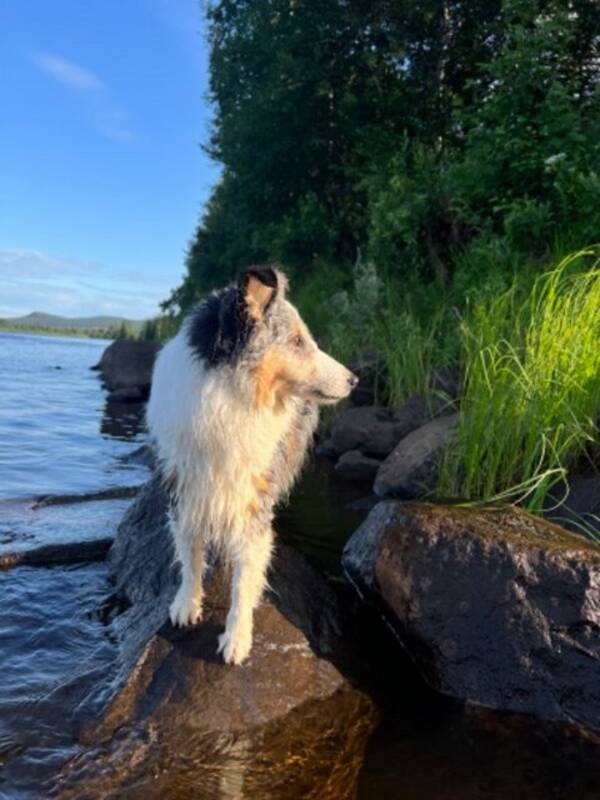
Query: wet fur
232, 411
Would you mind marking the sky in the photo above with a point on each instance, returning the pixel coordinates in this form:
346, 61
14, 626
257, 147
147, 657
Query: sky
103, 108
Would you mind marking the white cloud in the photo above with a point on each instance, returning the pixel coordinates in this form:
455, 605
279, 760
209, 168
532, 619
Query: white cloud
67, 72
107, 116
36, 281
33, 263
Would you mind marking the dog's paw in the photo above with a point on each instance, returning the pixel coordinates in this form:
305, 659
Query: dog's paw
235, 647
186, 609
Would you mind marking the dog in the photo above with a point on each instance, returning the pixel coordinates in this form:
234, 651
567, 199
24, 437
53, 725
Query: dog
233, 408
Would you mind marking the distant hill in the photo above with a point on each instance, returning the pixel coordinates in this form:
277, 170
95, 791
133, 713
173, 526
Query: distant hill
38, 319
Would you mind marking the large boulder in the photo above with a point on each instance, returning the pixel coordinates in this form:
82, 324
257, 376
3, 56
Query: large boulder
412, 467
177, 716
127, 365
497, 607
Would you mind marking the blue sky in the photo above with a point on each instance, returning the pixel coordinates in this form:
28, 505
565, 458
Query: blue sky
104, 108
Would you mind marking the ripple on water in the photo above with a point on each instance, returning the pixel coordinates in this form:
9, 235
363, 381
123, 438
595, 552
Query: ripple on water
49, 638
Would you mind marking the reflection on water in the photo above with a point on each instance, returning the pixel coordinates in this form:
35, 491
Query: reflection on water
317, 519
123, 421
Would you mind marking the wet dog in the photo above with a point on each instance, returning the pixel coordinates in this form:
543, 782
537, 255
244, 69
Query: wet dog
232, 411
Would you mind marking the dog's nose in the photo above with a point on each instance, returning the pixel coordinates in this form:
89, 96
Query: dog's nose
353, 380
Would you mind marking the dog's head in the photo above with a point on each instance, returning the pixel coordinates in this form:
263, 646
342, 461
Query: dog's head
282, 357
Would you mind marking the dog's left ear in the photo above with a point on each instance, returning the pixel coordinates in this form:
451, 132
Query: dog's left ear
259, 286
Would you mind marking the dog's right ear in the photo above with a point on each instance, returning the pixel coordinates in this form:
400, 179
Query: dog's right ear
258, 287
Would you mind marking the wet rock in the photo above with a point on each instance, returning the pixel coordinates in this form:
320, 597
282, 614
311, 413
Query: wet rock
114, 493
412, 468
353, 466
51, 555
498, 608
143, 455
174, 704
126, 364
373, 430
369, 429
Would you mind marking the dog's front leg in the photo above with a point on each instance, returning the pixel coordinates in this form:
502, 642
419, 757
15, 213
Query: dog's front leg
249, 580
186, 608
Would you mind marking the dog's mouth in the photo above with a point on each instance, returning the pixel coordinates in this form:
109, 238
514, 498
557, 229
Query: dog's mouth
323, 398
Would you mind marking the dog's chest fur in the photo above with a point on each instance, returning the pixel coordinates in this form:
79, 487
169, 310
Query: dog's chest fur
222, 450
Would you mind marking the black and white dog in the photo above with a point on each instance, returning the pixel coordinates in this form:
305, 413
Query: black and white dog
232, 411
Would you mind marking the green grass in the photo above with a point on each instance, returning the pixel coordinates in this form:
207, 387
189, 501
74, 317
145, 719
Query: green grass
410, 348
531, 391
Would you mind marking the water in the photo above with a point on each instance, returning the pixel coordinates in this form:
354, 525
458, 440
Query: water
51, 406
59, 436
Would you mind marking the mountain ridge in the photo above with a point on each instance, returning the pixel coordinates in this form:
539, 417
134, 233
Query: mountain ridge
40, 319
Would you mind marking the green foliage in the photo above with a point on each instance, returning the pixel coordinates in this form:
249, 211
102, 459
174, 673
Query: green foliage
532, 131
159, 329
531, 388
407, 131
380, 322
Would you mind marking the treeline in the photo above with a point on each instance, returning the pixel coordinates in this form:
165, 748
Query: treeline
111, 332
445, 143
156, 329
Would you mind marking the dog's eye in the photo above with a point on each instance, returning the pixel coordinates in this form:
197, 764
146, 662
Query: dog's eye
298, 341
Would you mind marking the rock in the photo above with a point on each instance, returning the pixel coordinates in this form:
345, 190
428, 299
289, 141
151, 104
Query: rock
115, 493
143, 455
411, 415
369, 429
177, 715
412, 468
353, 466
126, 364
497, 607
51, 555
375, 430
133, 394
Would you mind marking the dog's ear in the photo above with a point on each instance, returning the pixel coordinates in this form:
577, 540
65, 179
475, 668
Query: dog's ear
258, 288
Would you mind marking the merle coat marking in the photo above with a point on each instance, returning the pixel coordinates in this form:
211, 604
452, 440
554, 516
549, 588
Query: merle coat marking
232, 411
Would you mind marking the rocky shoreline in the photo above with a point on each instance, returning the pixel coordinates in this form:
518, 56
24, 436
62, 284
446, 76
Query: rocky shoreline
497, 610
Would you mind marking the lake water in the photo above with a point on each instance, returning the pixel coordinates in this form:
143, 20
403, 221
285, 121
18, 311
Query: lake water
58, 435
